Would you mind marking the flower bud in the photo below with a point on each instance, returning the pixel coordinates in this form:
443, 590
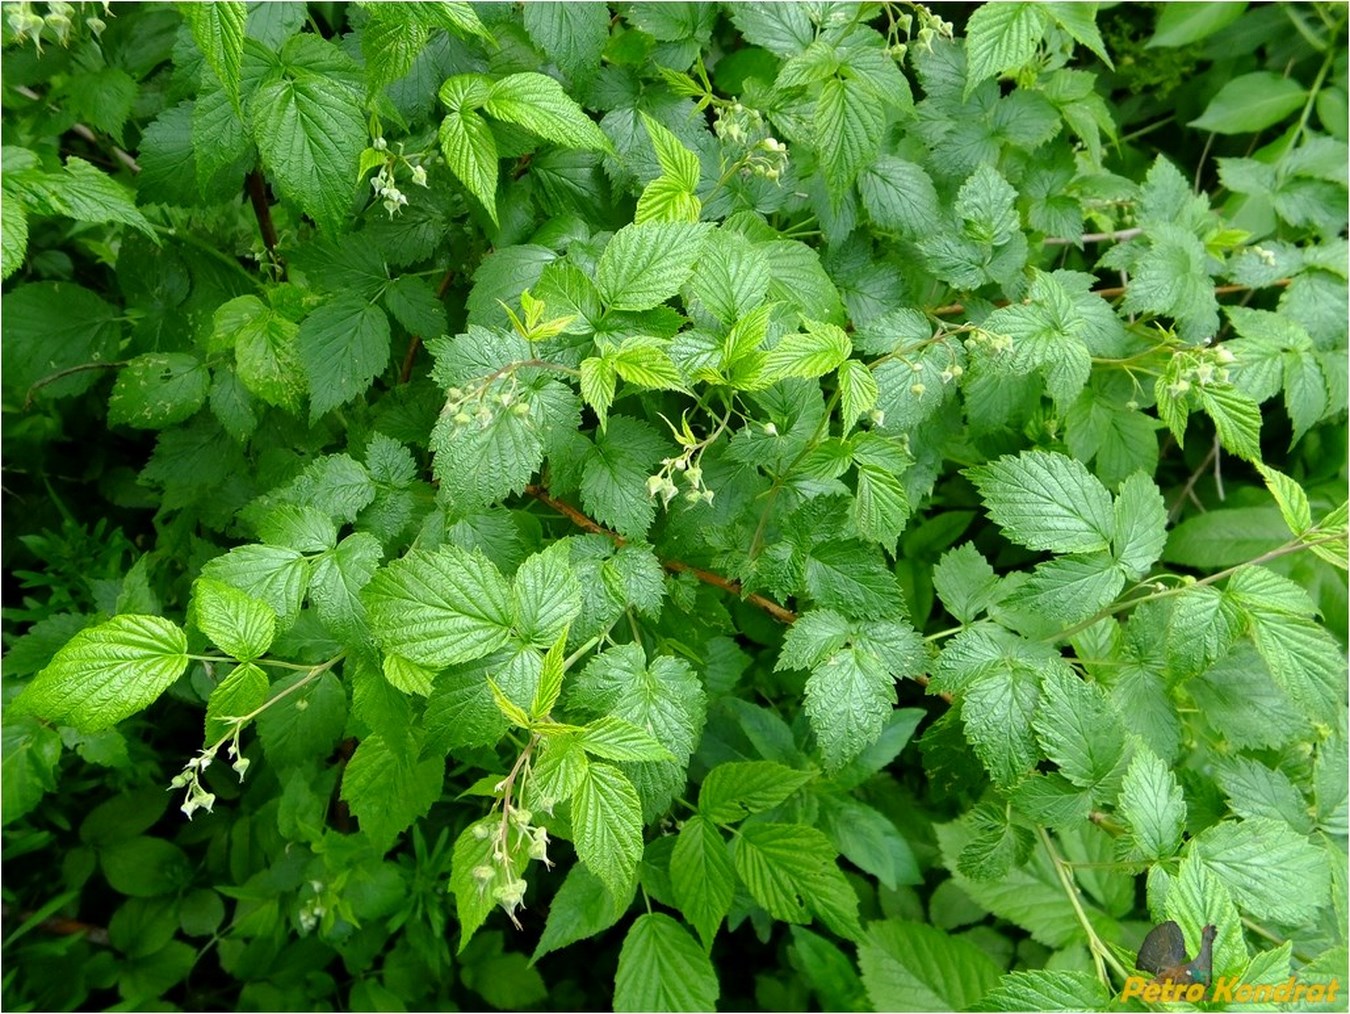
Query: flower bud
419, 176
917, 390
771, 429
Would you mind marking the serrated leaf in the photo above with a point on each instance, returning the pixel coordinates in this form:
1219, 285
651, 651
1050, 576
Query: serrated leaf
157, 390
1000, 37
702, 876
471, 153
1237, 419
237, 623
310, 131
779, 864
661, 968
387, 790
848, 123
1258, 858
736, 789
240, 693
440, 608
108, 672
472, 856
582, 908
1044, 500
218, 30
1046, 990
343, 345
1079, 730
550, 678
814, 353
644, 265
1140, 525
908, 966
620, 740
607, 826
275, 574
538, 103
1152, 804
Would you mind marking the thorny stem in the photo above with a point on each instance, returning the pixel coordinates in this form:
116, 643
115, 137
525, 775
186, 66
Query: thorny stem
1100, 953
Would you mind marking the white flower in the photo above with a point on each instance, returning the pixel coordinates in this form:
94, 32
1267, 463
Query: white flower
419, 176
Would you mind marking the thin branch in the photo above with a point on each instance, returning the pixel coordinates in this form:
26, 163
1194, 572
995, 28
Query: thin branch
52, 378
60, 925
779, 612
1093, 237
257, 195
81, 130
1187, 489
956, 309
415, 342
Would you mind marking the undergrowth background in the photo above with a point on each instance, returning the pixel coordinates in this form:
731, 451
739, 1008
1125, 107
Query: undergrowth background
794, 506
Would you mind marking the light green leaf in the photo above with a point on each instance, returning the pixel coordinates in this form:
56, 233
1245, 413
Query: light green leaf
237, 623
471, 153
310, 130
336, 585
475, 874
702, 876
1237, 418
240, 693
1251, 102
551, 674
387, 791
646, 362
620, 740
440, 608
1140, 525
644, 265
108, 672
1045, 500
1000, 37
266, 351
1079, 730
857, 391
275, 574
572, 35
779, 864
545, 596
538, 103
736, 789
1045, 989
607, 826
218, 30
1258, 859
157, 390
909, 966
812, 354
1181, 24
661, 968
899, 196
409, 677
848, 698
1151, 802
964, 581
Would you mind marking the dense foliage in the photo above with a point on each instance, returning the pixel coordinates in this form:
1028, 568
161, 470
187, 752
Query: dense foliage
670, 505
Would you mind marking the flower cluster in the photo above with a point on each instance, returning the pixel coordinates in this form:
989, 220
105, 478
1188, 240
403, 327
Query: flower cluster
1200, 368
383, 182
191, 779
930, 27
478, 406
498, 877
763, 155
24, 22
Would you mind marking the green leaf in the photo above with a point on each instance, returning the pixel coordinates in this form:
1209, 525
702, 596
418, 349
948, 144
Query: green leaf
108, 672
1044, 500
1254, 790
51, 327
275, 574
157, 390
1197, 897
646, 362
677, 162
1152, 804
849, 120
546, 596
305, 723
965, 582
343, 345
869, 840
850, 577
607, 826
85, 193
857, 391
736, 789
237, 623
266, 350
1183, 23
848, 698
1061, 593
338, 578
899, 196
644, 265
1237, 418
908, 966
406, 676
661, 968
13, 237
472, 857
620, 740
1079, 730
810, 355
310, 131
614, 477
881, 507
440, 608
387, 791
572, 35
471, 153
240, 693
702, 876
539, 104
1258, 858
1251, 102
1044, 989
598, 380
783, 866
218, 30
1000, 37
1140, 526
582, 908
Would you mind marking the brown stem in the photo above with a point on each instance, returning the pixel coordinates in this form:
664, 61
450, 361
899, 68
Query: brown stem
52, 378
779, 612
415, 342
60, 925
257, 195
